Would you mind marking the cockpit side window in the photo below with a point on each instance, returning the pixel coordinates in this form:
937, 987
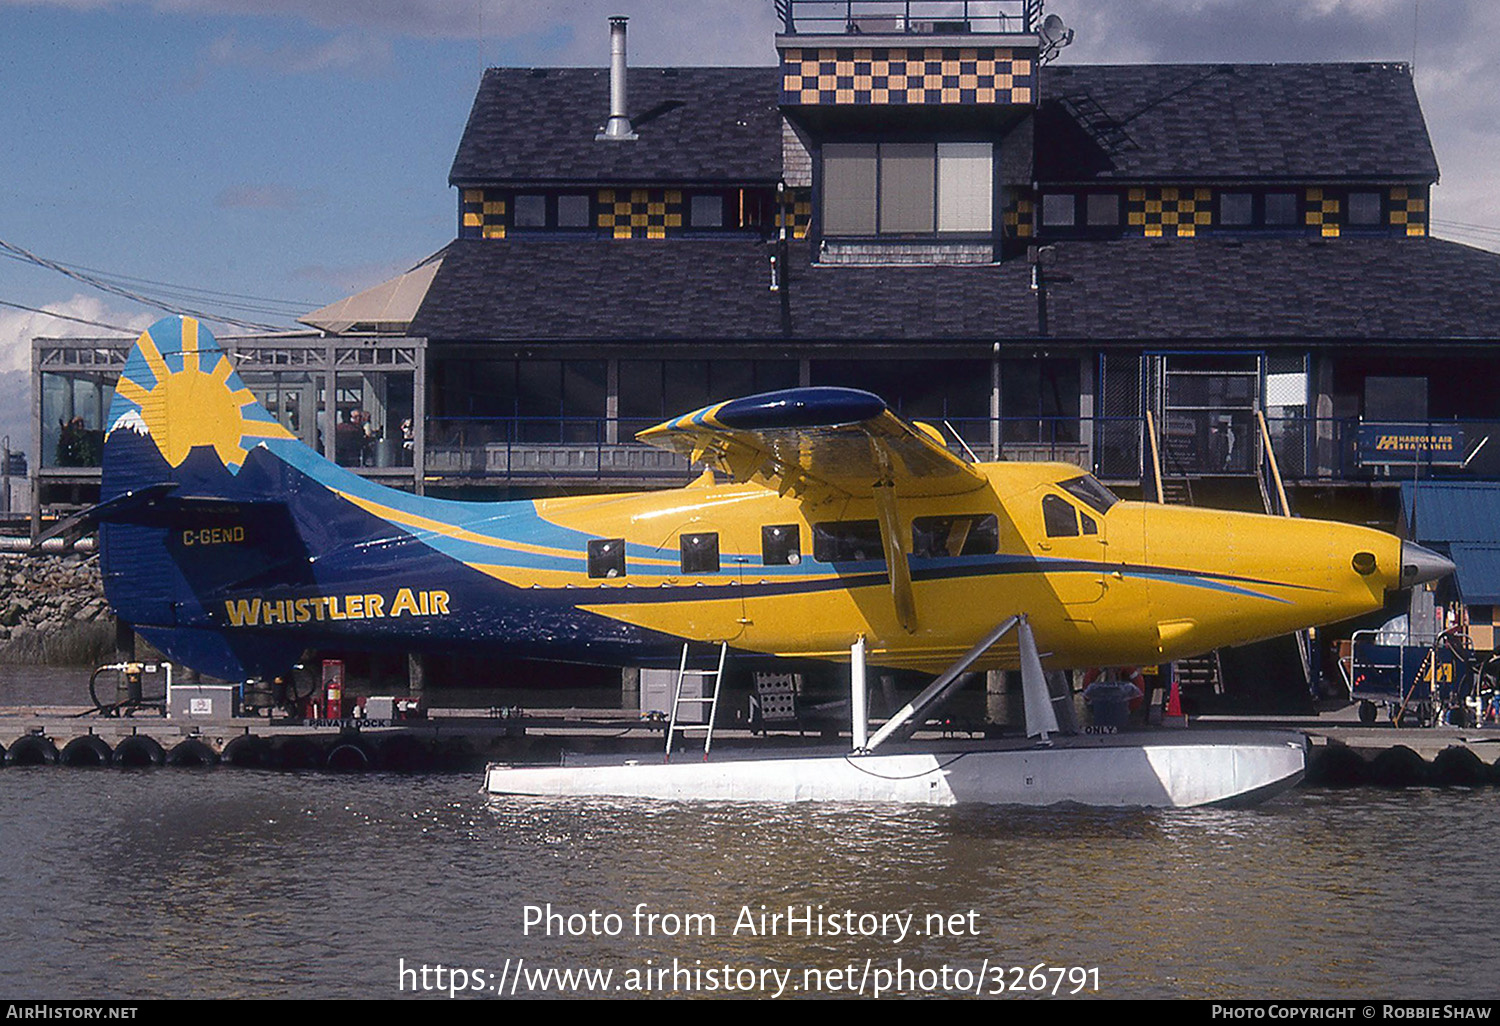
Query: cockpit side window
1088, 490
1059, 517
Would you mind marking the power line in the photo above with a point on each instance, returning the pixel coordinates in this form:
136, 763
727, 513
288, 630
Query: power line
233, 300
1481, 229
132, 295
69, 317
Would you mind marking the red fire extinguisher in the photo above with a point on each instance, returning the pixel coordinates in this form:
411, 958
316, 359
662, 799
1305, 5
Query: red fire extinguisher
333, 688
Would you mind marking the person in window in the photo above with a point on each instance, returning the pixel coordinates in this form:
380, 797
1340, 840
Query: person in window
348, 438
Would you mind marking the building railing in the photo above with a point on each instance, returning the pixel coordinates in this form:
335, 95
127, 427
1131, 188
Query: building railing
908, 17
1197, 443
1216, 443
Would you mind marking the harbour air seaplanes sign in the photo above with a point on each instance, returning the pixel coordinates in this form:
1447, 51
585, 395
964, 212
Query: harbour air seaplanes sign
1432, 445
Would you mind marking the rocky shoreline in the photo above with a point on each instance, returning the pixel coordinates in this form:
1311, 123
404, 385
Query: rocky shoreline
53, 611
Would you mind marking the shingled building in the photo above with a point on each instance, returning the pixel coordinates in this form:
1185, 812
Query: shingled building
1207, 283
1039, 254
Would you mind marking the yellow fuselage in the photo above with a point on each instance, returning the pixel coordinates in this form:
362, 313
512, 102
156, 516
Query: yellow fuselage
1138, 584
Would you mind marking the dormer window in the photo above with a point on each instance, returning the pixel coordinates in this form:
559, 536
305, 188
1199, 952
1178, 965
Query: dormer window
530, 210
1281, 208
1365, 208
706, 211
1059, 209
534, 210
573, 212
907, 189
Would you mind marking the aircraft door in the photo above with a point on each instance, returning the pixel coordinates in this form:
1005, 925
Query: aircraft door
1075, 546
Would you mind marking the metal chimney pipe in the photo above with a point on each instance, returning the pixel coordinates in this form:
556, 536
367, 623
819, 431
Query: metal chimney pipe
618, 127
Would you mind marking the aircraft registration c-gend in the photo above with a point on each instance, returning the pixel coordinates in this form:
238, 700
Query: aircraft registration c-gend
233, 547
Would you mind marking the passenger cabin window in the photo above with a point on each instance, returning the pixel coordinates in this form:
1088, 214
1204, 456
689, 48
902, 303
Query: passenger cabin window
842, 541
607, 557
1059, 517
975, 534
700, 553
780, 545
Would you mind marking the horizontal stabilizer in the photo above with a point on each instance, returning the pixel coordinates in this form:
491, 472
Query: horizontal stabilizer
119, 508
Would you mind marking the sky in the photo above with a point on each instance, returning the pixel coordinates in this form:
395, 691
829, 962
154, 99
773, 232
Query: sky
261, 158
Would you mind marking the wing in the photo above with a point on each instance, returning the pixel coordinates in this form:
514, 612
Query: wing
817, 444
822, 444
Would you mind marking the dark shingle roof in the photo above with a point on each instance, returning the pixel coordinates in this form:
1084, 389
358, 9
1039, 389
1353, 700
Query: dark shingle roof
707, 290
1208, 122
1220, 290
1139, 123
1392, 289
694, 125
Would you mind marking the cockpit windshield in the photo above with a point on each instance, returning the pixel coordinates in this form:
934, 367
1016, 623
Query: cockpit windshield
1088, 489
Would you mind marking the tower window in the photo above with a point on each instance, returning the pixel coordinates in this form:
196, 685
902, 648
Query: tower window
907, 188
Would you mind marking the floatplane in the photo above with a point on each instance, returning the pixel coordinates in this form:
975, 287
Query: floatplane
824, 527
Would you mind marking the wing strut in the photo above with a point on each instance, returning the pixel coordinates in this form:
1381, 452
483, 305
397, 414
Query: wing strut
1040, 717
895, 556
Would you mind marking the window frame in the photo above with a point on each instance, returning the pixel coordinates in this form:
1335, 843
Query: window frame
872, 223
600, 549
981, 539
831, 547
703, 548
1051, 526
781, 551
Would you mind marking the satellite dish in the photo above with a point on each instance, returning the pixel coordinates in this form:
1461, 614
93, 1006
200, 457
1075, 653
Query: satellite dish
1052, 37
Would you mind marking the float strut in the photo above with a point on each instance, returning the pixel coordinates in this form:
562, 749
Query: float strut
858, 695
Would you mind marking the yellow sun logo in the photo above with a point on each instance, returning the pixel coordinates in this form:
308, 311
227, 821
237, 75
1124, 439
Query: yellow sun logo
179, 388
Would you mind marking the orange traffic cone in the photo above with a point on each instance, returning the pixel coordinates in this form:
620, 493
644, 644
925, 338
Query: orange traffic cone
1174, 714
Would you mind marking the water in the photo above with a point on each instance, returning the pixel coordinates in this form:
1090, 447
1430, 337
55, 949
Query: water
238, 883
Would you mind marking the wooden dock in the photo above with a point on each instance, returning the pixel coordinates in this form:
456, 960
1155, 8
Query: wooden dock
461, 740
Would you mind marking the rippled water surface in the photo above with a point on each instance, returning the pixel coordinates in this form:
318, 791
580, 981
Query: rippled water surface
176, 883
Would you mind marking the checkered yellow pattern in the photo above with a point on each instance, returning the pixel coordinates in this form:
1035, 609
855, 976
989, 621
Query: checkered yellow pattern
1168, 211
880, 76
482, 214
1017, 218
1324, 213
640, 213
796, 212
1408, 211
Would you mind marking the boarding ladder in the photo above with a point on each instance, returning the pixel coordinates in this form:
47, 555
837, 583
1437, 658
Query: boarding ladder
711, 699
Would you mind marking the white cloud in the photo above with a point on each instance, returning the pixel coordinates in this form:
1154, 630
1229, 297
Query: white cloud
348, 51
265, 197
19, 327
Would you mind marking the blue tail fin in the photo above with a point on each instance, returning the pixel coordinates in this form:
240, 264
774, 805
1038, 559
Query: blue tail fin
191, 504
